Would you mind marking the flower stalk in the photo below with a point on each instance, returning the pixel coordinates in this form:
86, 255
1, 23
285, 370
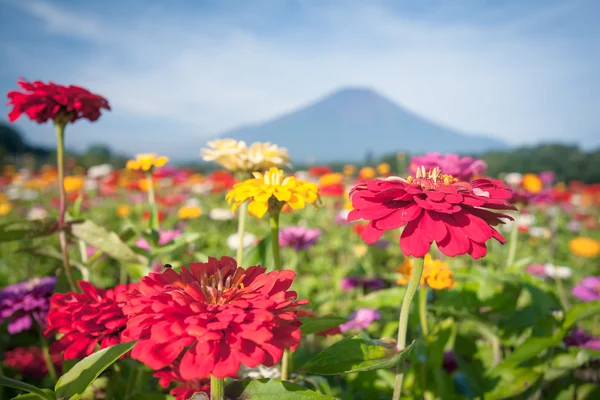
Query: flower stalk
514, 240
413, 285
62, 234
217, 388
242, 216
423, 310
152, 202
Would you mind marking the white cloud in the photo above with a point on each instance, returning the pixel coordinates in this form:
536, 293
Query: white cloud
496, 78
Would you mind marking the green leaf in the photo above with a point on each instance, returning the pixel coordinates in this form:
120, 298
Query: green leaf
513, 383
182, 241
271, 389
74, 383
320, 324
33, 396
579, 312
355, 354
259, 254
562, 364
45, 394
391, 297
529, 349
107, 241
151, 396
26, 230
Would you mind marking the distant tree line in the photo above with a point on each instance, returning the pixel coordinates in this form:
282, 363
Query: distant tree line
569, 162
16, 151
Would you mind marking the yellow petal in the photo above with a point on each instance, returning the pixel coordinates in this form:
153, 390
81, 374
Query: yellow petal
257, 209
132, 164
160, 161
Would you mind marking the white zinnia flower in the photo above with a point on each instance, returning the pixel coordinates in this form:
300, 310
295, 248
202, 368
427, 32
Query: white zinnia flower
233, 241
221, 214
228, 153
99, 171
513, 178
559, 272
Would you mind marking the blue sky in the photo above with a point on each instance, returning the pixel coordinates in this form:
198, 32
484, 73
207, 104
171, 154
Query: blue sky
177, 72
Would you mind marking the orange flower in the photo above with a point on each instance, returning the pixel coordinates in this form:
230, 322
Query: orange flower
585, 247
73, 183
436, 273
123, 211
189, 212
532, 183
383, 169
366, 173
349, 169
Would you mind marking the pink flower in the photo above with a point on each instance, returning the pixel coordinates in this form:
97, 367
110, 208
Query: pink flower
164, 237
463, 169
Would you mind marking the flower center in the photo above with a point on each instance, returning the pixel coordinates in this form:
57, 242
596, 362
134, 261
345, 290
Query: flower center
214, 287
431, 179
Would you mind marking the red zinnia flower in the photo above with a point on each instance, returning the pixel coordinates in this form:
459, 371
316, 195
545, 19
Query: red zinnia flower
319, 170
29, 361
86, 319
187, 387
214, 315
43, 101
432, 207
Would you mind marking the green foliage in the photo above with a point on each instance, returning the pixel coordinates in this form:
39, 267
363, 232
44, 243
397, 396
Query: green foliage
74, 383
271, 389
356, 354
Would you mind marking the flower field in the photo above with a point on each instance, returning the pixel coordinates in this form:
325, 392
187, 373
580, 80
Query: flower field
258, 281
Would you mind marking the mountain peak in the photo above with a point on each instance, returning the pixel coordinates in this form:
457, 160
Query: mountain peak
350, 121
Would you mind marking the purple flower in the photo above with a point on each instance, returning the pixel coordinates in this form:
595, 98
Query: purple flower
298, 237
21, 302
375, 284
361, 319
349, 283
164, 237
353, 282
574, 226
536, 269
547, 177
381, 244
462, 168
543, 197
449, 363
588, 289
579, 338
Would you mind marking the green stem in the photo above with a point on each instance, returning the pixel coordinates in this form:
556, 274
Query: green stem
423, 311
5, 381
413, 284
560, 289
62, 234
47, 357
217, 388
285, 365
514, 239
242, 216
274, 220
152, 201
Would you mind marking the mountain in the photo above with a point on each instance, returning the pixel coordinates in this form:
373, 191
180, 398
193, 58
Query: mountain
351, 122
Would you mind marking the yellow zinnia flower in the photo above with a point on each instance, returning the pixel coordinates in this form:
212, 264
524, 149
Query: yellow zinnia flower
532, 183
436, 273
5, 208
73, 183
189, 212
367, 173
584, 247
332, 178
272, 191
349, 169
146, 162
383, 169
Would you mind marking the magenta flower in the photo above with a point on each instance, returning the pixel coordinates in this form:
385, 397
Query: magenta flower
361, 319
25, 302
536, 270
588, 289
462, 168
298, 237
579, 338
547, 177
164, 237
